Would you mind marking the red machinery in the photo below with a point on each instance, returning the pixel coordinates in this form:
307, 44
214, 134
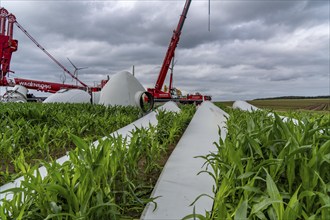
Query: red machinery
157, 92
8, 45
39, 85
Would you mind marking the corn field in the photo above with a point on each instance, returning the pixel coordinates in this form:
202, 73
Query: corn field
110, 180
43, 131
264, 169
268, 169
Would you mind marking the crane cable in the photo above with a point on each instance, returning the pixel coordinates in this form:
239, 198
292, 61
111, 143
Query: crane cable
209, 25
48, 54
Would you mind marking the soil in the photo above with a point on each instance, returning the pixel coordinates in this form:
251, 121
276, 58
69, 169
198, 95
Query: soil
319, 107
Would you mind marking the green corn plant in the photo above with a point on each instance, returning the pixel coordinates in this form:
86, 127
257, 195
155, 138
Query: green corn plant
42, 131
270, 169
110, 180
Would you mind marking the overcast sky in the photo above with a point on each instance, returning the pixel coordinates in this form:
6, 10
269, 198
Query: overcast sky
255, 49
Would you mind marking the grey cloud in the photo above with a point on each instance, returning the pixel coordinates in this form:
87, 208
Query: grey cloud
254, 49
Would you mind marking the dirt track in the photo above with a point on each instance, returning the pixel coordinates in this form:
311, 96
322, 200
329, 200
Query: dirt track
319, 107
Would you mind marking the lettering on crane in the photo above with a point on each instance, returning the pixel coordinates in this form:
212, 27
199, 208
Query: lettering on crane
41, 86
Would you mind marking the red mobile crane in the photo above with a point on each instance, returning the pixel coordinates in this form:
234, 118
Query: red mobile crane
157, 92
8, 45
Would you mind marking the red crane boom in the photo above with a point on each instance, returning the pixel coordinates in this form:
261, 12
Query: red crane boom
171, 48
42, 86
48, 54
157, 92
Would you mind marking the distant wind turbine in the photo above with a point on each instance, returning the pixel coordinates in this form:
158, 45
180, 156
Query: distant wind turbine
75, 73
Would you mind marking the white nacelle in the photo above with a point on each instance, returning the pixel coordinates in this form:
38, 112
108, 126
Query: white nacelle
125, 90
69, 96
17, 94
21, 90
